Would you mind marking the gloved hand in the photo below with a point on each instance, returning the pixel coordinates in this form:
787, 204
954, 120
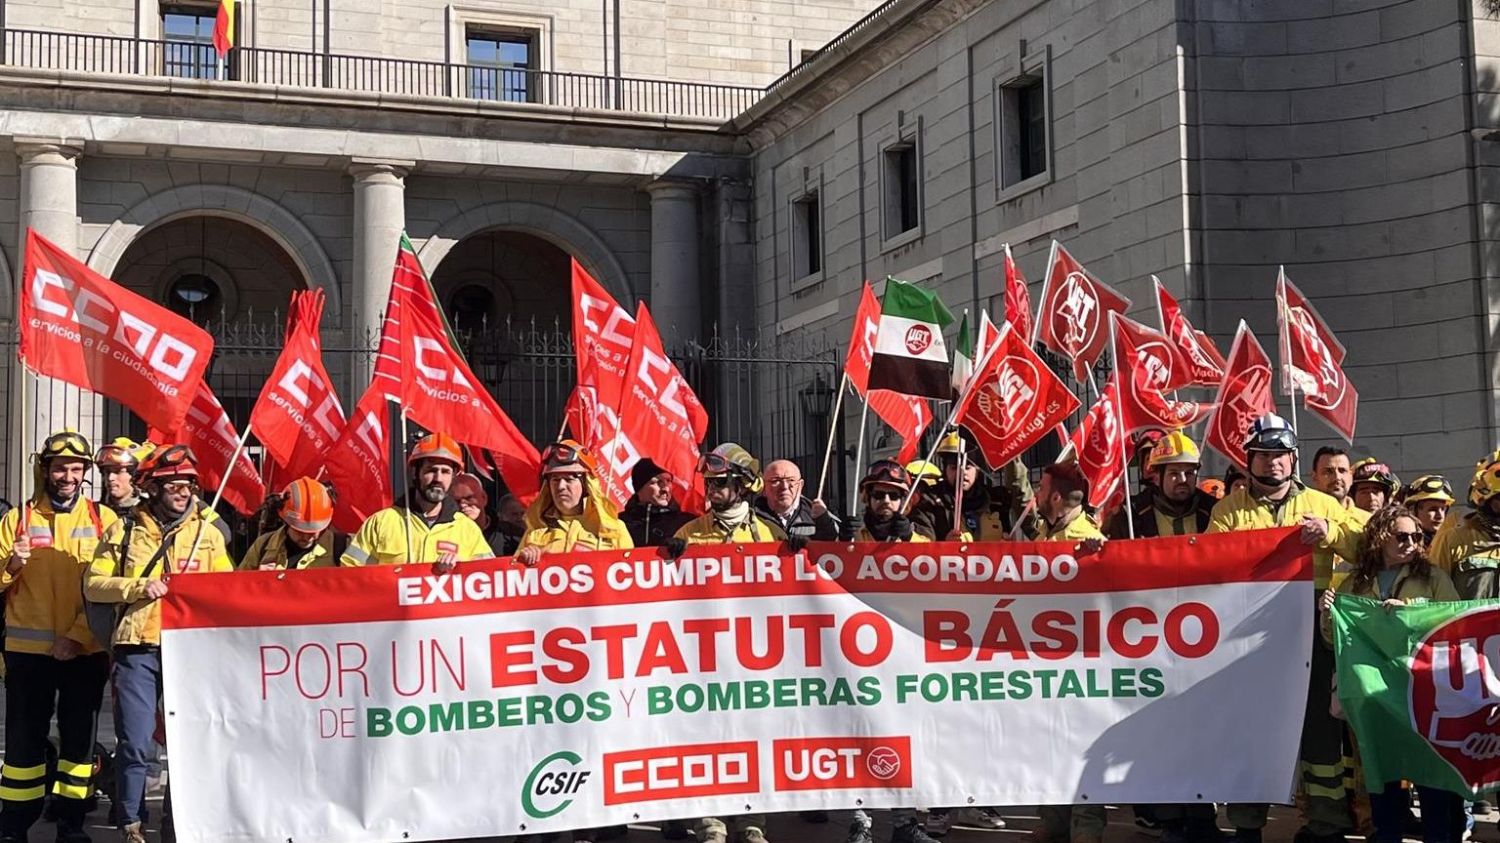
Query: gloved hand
674, 547
901, 528
846, 530
796, 542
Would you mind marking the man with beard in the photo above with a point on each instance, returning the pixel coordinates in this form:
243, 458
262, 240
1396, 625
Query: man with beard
731, 477
305, 539
989, 512
117, 463
1275, 498
652, 516
168, 534
783, 503
426, 525
52, 661
1175, 505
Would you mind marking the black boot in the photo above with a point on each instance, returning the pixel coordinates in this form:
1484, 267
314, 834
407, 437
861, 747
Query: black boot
911, 833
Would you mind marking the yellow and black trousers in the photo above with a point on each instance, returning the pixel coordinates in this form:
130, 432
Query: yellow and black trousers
36, 687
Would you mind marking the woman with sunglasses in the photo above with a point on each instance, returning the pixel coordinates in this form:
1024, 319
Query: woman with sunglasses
1391, 566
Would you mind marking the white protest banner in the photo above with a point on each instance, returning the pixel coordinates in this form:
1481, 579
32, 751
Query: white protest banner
394, 704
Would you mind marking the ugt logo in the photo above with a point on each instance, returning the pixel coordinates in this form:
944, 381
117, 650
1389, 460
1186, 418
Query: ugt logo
1078, 311
551, 785
1455, 694
1006, 400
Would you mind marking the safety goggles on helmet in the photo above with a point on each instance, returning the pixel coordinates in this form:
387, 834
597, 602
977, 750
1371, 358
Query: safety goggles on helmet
715, 465
1378, 473
567, 456
886, 473
1272, 441
172, 461
67, 443
1429, 487
122, 453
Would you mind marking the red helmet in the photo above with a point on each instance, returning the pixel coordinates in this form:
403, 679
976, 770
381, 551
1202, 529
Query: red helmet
171, 461
437, 446
307, 506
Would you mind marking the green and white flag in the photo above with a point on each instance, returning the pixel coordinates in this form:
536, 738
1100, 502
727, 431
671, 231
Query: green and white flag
963, 357
1420, 684
910, 356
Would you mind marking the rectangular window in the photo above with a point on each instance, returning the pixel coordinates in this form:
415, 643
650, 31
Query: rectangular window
1023, 114
807, 236
502, 65
187, 34
903, 189
1031, 111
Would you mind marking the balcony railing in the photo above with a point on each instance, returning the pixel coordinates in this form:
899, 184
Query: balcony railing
333, 71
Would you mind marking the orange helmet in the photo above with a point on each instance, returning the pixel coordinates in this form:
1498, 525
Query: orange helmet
306, 506
566, 455
437, 446
168, 462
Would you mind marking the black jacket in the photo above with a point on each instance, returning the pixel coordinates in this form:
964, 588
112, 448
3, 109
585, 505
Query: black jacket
1144, 510
651, 526
802, 522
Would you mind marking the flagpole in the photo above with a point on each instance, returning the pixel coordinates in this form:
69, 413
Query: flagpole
1114, 352
1285, 341
406, 484
838, 407
958, 487
859, 457
234, 459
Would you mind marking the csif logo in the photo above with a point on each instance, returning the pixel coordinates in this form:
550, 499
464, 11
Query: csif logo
1455, 694
551, 785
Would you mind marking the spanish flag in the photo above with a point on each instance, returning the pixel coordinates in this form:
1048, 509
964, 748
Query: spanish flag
224, 28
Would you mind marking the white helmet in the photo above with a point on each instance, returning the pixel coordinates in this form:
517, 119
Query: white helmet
1271, 433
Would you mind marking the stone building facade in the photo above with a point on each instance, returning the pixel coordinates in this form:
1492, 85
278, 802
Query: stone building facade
665, 145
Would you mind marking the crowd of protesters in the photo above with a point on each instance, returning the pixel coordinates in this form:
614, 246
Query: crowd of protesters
83, 578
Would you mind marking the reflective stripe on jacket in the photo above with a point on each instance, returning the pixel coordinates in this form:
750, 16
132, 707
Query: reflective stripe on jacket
382, 539
44, 600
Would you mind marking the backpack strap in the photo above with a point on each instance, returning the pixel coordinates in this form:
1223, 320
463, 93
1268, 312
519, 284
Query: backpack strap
94, 517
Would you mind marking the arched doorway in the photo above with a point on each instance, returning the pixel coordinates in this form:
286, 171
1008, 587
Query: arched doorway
508, 297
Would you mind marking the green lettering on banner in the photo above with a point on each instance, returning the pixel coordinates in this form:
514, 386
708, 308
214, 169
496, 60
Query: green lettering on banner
599, 709
724, 696
377, 722
1151, 684
410, 720
757, 694
965, 687
482, 714
786, 693
1123, 682
1020, 683
815, 691
1070, 685
659, 700
447, 717
509, 713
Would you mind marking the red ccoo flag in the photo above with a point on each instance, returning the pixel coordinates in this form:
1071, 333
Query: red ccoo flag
209, 432
1312, 360
862, 340
358, 464
1146, 366
1017, 297
603, 333
298, 416
659, 412
1013, 400
82, 328
1099, 445
1244, 396
1074, 316
1205, 365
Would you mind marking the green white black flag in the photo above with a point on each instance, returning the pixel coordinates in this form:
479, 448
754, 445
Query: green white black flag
910, 356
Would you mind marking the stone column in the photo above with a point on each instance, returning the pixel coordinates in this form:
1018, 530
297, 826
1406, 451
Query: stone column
379, 220
48, 202
676, 299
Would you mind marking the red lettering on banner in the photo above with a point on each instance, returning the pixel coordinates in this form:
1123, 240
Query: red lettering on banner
505, 658
1190, 630
681, 772
838, 763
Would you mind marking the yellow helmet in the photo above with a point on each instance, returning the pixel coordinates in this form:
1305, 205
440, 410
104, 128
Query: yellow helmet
122, 452
1429, 487
1486, 483
924, 472
732, 460
1175, 447
951, 443
65, 443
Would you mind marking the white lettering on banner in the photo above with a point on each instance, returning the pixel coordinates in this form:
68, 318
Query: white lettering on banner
168, 357
610, 333
668, 397
427, 344
291, 382
600, 688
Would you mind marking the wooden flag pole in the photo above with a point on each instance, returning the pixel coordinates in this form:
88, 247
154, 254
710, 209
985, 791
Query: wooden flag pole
859, 457
958, 488
838, 407
234, 458
405, 484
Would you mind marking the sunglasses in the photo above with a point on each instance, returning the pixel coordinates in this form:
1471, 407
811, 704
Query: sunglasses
885, 495
179, 487
715, 482
1414, 538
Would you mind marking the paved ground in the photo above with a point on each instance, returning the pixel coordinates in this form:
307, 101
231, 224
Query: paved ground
792, 829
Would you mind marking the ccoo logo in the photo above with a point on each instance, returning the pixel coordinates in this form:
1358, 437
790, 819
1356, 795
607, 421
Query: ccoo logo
1455, 694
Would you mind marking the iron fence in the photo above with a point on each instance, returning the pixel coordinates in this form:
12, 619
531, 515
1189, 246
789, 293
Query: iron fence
113, 54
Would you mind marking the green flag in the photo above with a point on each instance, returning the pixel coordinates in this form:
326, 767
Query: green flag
963, 357
910, 356
1420, 684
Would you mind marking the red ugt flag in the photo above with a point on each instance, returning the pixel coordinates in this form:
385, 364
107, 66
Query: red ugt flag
1146, 365
440, 392
1017, 297
1205, 365
358, 463
1013, 400
659, 411
82, 328
1244, 396
1099, 444
1074, 317
298, 416
209, 432
1313, 360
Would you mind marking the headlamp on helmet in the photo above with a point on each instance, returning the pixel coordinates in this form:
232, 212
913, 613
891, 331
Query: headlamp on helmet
567, 457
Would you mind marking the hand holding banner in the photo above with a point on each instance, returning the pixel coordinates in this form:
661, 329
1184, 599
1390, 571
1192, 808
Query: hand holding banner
84, 329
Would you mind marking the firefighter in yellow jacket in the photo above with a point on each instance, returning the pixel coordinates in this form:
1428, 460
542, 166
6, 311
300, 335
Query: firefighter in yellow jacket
305, 539
1469, 549
571, 512
428, 518
52, 661
883, 489
168, 534
1275, 498
731, 479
